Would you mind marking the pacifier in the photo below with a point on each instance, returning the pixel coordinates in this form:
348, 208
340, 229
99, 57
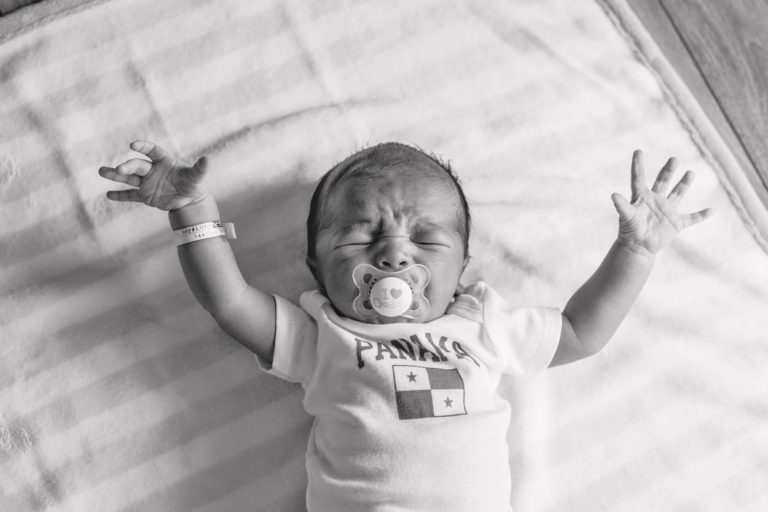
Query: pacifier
391, 294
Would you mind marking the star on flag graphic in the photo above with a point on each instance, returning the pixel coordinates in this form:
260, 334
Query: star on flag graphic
428, 392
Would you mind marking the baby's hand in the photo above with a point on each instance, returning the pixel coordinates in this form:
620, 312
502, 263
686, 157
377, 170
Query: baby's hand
651, 221
162, 181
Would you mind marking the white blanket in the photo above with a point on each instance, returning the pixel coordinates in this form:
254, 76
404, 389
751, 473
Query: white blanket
118, 392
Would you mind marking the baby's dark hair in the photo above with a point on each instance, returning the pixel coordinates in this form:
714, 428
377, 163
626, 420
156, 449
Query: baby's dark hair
373, 161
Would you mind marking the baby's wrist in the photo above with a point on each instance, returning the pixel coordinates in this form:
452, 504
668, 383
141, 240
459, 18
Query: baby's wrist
635, 248
203, 210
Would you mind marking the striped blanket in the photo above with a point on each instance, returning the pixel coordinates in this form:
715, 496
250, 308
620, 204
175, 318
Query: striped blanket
119, 394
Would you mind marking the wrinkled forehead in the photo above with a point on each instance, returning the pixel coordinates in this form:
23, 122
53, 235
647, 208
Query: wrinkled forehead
419, 189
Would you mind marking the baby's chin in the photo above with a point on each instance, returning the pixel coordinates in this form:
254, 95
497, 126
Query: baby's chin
382, 320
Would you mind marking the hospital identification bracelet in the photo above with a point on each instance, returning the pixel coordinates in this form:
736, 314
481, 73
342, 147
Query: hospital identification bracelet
202, 231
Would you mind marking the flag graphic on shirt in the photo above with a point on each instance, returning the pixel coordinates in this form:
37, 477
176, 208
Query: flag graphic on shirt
428, 392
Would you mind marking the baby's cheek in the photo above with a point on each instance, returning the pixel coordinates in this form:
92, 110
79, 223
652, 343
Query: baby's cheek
340, 287
442, 288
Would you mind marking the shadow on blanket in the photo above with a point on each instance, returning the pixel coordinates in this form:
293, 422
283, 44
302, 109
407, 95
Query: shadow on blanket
185, 347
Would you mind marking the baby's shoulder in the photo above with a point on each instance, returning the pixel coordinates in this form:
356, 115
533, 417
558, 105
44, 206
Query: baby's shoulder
468, 302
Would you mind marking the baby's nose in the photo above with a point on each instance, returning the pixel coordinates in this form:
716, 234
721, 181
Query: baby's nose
393, 255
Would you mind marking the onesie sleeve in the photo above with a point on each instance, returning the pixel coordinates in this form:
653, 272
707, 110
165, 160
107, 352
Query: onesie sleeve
295, 344
526, 337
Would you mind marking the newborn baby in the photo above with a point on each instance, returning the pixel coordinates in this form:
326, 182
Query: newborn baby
400, 363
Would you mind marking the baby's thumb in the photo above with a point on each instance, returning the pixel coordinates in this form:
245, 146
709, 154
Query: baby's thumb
197, 172
626, 210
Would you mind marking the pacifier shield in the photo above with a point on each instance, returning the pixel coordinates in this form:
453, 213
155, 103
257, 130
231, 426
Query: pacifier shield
391, 294
391, 297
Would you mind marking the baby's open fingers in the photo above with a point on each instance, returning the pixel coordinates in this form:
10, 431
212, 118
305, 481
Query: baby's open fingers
665, 176
131, 195
638, 175
152, 150
137, 166
626, 211
112, 174
694, 218
681, 188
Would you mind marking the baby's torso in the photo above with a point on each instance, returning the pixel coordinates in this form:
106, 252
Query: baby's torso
407, 414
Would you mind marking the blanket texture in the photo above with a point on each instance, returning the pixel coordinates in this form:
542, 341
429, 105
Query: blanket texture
118, 393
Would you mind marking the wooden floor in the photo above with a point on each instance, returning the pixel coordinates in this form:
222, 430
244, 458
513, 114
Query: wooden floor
720, 49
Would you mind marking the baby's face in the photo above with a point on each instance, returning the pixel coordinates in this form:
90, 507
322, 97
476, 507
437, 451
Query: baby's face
410, 215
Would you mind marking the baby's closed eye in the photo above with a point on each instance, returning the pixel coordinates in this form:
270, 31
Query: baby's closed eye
430, 239
354, 243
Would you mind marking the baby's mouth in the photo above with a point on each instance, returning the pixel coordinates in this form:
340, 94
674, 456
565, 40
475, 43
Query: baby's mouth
391, 295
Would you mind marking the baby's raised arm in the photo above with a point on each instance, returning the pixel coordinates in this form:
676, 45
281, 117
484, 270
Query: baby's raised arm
245, 313
646, 225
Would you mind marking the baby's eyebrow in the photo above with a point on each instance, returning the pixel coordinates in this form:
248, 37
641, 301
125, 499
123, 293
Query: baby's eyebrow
354, 226
431, 226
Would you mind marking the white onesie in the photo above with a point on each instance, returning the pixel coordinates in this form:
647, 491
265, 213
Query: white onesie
407, 416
